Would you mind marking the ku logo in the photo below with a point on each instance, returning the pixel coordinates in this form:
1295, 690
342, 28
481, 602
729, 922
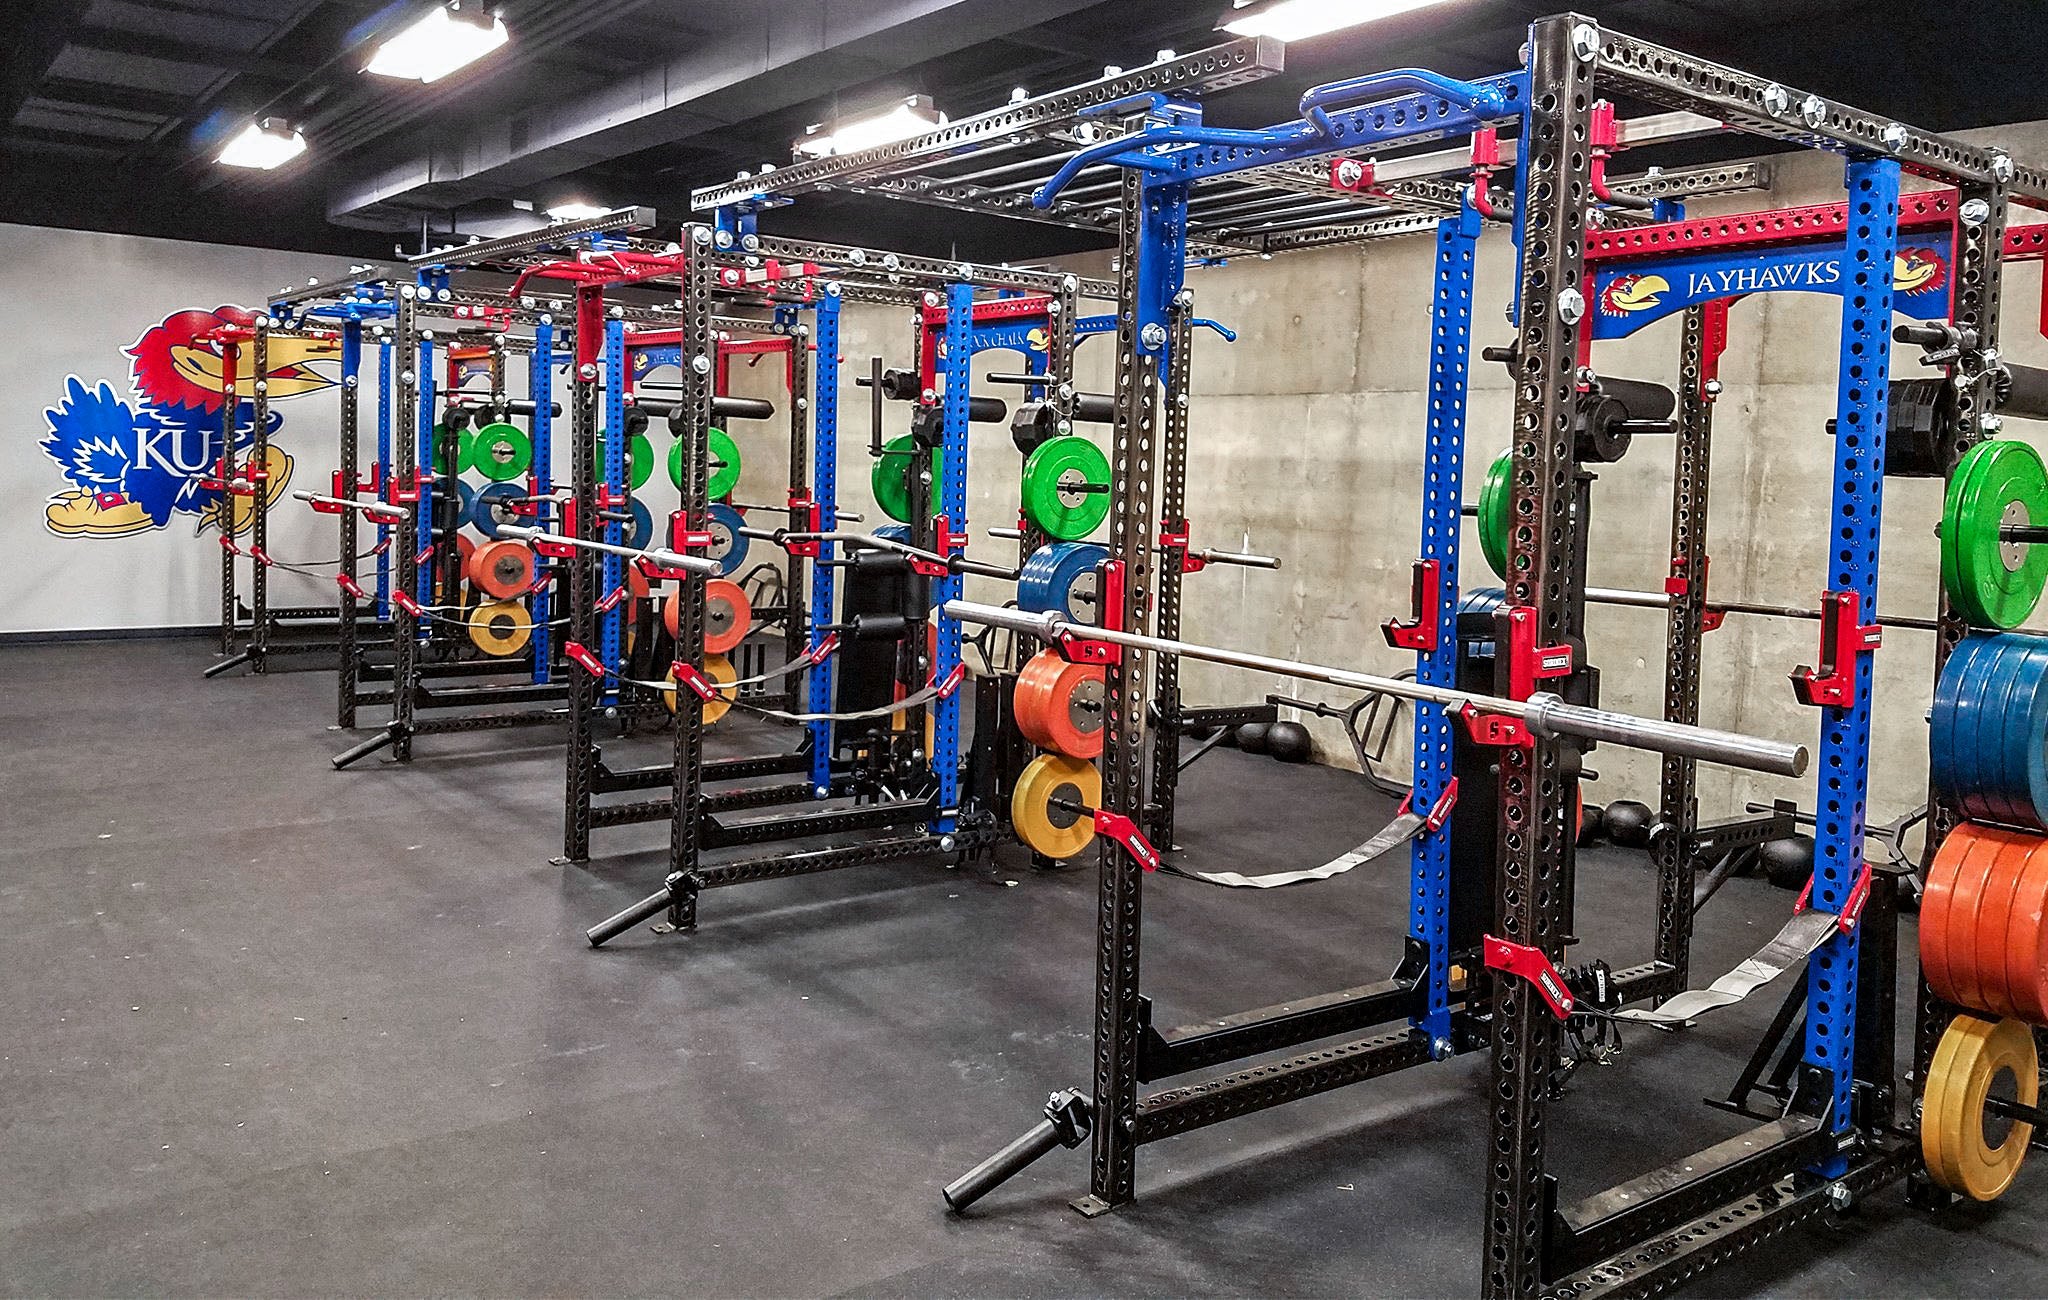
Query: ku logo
132, 467
1917, 269
1633, 293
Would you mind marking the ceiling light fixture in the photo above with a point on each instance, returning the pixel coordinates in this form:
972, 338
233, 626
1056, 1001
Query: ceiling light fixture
912, 116
575, 211
1297, 20
264, 144
447, 37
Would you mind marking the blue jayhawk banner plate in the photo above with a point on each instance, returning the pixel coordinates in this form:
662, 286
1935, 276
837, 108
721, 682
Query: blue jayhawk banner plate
1628, 296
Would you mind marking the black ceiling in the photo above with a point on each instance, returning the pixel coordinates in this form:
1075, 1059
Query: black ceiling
111, 110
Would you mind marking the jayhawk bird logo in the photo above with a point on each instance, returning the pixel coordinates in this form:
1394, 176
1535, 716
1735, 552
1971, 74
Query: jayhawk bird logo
132, 465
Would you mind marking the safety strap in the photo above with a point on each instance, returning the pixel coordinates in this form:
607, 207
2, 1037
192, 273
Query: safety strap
1804, 933
931, 691
1407, 824
808, 659
1405, 827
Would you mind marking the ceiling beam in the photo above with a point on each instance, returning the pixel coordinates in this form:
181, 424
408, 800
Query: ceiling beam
126, 99
38, 39
114, 40
70, 139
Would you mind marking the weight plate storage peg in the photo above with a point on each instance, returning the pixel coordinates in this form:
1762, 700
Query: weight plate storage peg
500, 628
501, 570
1992, 581
1975, 1060
728, 546
890, 478
1496, 502
1051, 808
1063, 578
501, 452
640, 527
1066, 487
465, 451
495, 506
1988, 732
722, 461
719, 670
1059, 706
639, 458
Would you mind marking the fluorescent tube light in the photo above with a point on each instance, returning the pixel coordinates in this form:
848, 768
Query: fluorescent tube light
913, 117
1297, 20
263, 145
448, 37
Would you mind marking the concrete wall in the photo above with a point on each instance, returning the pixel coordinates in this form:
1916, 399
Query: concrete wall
1306, 443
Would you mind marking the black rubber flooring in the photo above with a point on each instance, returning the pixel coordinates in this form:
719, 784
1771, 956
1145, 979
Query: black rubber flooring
269, 1029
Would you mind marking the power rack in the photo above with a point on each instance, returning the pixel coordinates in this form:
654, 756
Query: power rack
1842, 1134
423, 421
895, 782
247, 494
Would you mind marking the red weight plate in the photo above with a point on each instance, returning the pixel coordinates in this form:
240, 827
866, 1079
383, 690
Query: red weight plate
636, 583
503, 570
727, 615
2025, 950
2007, 879
1935, 904
1059, 705
671, 614
1966, 913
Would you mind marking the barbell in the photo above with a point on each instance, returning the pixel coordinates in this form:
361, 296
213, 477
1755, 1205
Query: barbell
1543, 713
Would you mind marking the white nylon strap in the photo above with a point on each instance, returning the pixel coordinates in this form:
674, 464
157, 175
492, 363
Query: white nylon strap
1393, 835
1804, 933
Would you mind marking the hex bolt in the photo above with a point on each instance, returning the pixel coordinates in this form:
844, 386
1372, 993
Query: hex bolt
1776, 99
1571, 305
700, 365
700, 235
2001, 167
1990, 423
1813, 111
1894, 136
1153, 336
1840, 1198
821, 792
1350, 171
724, 238
1585, 41
750, 242
947, 844
1713, 388
832, 289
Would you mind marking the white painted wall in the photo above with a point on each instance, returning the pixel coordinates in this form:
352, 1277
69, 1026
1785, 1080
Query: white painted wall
78, 299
